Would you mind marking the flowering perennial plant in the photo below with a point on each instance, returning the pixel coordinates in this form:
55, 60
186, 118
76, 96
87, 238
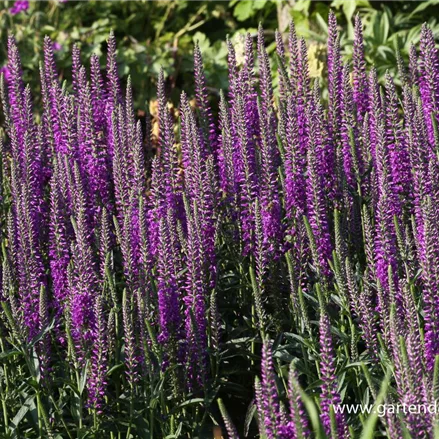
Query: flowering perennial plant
142, 277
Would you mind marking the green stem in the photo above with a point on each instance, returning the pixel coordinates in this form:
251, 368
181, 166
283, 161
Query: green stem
4, 408
62, 419
78, 380
151, 423
253, 347
40, 421
43, 412
3, 394
95, 420
131, 412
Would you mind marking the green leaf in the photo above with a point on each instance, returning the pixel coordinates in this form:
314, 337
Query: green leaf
322, 23
28, 405
349, 9
313, 415
243, 10
12, 353
251, 410
303, 6
193, 401
423, 6
83, 379
369, 429
115, 368
385, 26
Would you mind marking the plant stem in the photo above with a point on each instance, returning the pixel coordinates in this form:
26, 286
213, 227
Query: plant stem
3, 394
40, 421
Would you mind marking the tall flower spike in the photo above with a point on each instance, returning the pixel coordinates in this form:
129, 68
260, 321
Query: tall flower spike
15, 87
264, 77
414, 362
199, 178
368, 323
60, 125
226, 152
247, 178
387, 208
334, 77
284, 80
129, 122
270, 203
348, 129
44, 346
230, 428
303, 79
269, 195
249, 95
360, 84
261, 263
97, 382
4, 100
431, 279
395, 139
97, 92
429, 78
258, 401
105, 244
168, 306
294, 163
156, 211
207, 124
395, 331
329, 396
113, 84
233, 71
270, 402
76, 66
50, 71
303, 98
195, 299
91, 153
299, 422
375, 112
294, 191
85, 281
167, 154
129, 340
27, 204
318, 160
59, 254
121, 196
420, 179
293, 47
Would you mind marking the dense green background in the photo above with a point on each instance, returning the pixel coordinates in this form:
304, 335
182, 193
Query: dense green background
152, 34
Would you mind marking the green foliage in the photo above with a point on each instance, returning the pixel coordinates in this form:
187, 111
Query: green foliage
150, 35
386, 31
154, 34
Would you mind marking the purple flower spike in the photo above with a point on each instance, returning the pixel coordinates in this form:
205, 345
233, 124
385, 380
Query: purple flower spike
429, 77
207, 125
360, 83
329, 396
270, 402
19, 6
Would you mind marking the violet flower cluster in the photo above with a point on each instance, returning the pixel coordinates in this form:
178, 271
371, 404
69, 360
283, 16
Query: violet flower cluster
124, 240
361, 177
19, 6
